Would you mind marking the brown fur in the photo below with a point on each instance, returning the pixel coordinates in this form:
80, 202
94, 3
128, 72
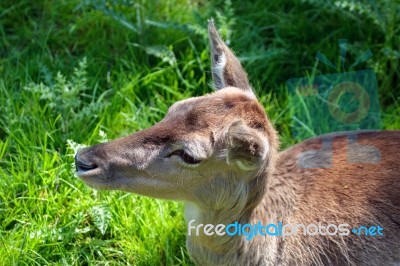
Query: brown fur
352, 193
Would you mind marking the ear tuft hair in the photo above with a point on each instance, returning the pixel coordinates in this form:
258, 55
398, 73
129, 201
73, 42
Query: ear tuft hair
247, 147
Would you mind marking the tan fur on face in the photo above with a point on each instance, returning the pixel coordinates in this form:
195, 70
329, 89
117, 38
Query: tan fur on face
198, 125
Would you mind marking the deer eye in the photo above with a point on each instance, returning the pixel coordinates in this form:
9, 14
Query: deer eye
184, 156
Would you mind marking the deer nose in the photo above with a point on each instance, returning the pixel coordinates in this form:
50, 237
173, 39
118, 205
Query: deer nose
82, 164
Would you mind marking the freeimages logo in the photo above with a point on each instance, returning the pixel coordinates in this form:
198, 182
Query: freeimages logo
343, 101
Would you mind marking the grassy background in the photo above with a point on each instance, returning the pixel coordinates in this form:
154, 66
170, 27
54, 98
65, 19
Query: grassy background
74, 72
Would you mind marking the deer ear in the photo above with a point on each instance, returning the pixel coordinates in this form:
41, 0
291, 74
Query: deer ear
247, 148
226, 68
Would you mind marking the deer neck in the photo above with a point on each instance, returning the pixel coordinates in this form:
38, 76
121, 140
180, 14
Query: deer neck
211, 249
271, 205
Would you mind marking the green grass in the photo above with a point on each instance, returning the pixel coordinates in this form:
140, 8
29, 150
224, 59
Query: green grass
74, 72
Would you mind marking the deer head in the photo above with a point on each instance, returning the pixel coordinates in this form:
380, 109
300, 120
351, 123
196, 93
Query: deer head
208, 150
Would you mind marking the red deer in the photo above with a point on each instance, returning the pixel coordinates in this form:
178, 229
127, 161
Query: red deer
219, 154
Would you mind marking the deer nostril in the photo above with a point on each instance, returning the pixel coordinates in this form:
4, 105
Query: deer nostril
82, 166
